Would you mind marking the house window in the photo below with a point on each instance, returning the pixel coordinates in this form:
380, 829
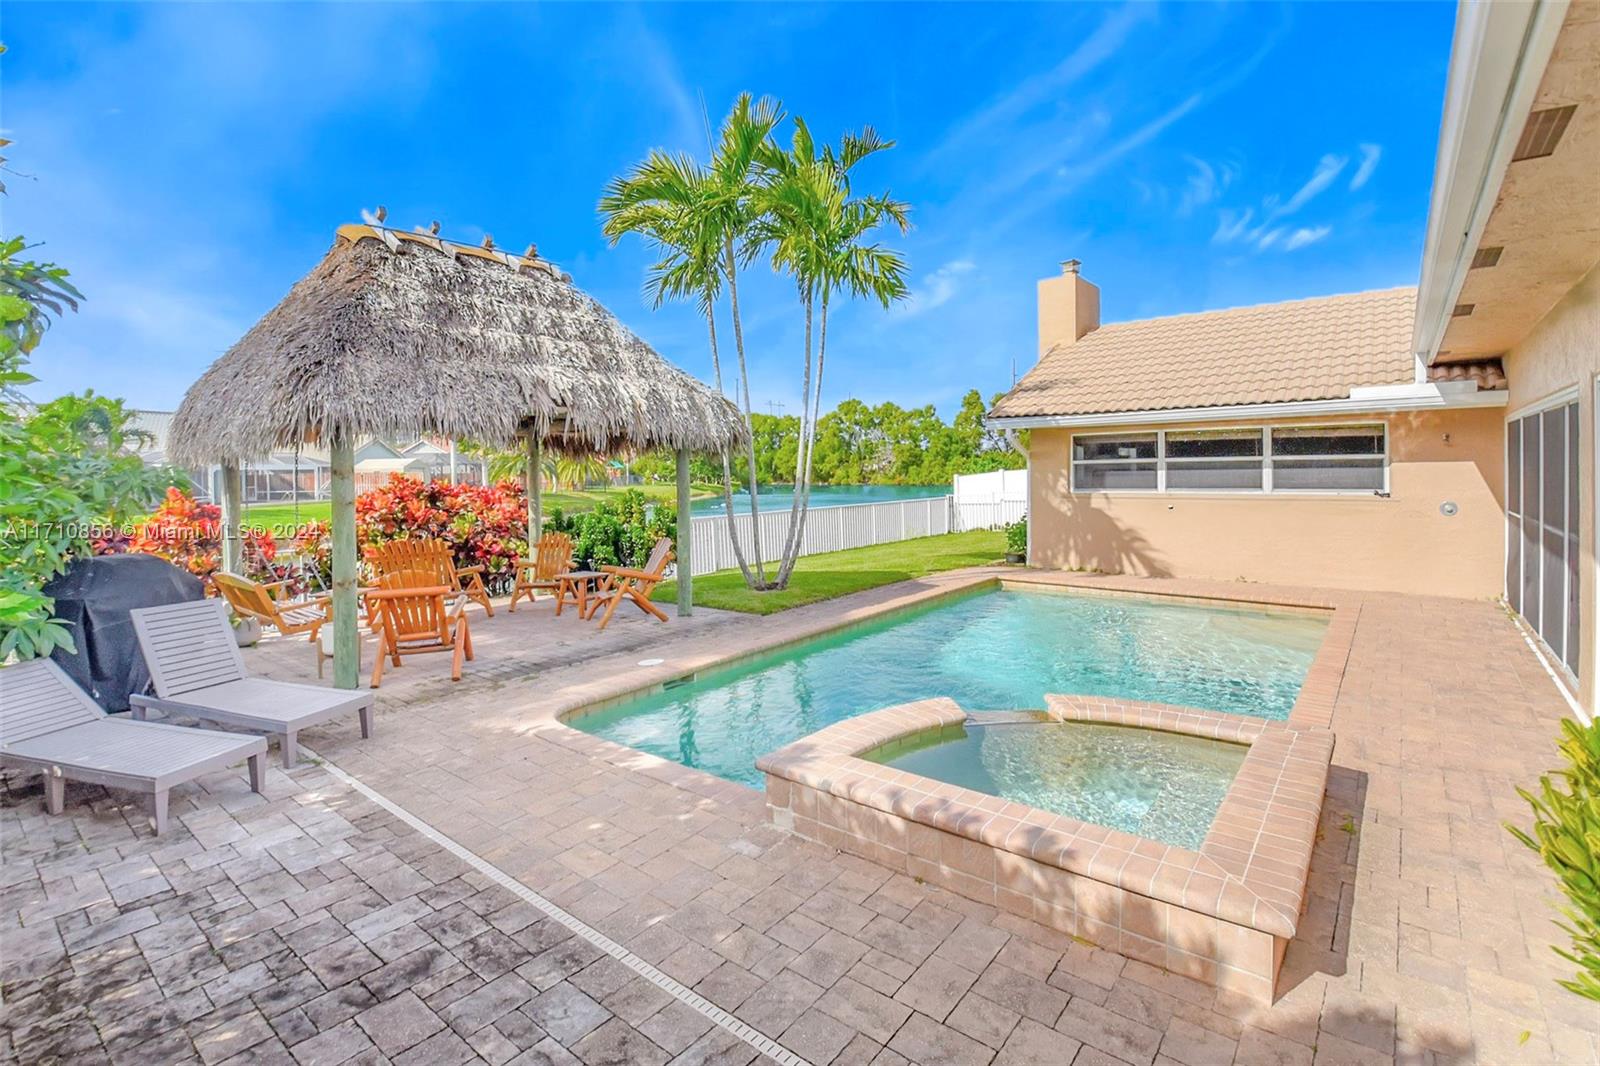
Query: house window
1103, 463
1327, 458
1214, 459
1282, 459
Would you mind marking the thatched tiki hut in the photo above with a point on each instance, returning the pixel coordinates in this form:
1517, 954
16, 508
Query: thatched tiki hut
398, 333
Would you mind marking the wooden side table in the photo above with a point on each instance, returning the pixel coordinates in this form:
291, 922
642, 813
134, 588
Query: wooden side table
576, 586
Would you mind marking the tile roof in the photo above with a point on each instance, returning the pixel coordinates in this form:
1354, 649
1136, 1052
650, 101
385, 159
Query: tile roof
1313, 349
1488, 373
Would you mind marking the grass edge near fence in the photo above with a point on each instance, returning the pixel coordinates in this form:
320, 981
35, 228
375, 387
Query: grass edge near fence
279, 517
833, 574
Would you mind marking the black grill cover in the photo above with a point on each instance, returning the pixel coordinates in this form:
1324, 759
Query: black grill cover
94, 597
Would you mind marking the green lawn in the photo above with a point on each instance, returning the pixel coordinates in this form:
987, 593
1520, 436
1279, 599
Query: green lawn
280, 516
822, 577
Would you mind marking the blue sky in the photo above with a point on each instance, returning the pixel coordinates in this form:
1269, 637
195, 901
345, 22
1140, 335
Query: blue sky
189, 163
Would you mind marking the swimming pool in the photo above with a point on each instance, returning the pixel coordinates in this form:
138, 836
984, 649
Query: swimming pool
1162, 786
996, 650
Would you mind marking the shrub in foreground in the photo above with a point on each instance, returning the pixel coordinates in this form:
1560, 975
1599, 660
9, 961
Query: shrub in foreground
1566, 834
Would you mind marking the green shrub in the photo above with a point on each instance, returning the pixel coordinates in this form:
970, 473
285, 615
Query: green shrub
1566, 834
619, 533
1017, 536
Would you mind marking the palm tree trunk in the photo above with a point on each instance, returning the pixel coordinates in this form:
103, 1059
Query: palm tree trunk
727, 469
744, 381
791, 537
808, 437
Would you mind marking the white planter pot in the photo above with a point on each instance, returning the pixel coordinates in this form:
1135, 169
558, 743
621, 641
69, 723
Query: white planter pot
246, 632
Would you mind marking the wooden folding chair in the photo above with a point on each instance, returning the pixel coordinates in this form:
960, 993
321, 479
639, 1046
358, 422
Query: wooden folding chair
552, 555
435, 557
415, 619
636, 585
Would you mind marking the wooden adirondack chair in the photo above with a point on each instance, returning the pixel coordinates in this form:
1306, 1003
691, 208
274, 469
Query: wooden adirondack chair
432, 556
552, 555
415, 619
252, 599
636, 585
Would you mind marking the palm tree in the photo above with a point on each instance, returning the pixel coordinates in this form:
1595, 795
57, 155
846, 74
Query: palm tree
702, 220
818, 233
502, 465
578, 470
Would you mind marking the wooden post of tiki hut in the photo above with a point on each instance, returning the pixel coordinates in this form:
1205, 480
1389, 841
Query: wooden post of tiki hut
397, 334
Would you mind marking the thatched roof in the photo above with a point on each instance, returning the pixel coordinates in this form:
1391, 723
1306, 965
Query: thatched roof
401, 333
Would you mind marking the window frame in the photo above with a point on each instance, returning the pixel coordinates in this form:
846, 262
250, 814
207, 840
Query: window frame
1265, 459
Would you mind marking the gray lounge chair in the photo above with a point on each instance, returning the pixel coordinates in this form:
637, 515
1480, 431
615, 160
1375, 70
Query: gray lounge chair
48, 723
197, 671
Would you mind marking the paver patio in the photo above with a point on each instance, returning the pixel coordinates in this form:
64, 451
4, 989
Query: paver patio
313, 925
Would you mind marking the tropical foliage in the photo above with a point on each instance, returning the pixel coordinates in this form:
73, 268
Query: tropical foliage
754, 199
1566, 834
1017, 536
858, 444
701, 221
483, 524
64, 472
818, 234
188, 533
616, 534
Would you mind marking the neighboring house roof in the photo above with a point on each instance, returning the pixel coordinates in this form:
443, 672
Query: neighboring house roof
398, 464
154, 425
373, 448
1315, 349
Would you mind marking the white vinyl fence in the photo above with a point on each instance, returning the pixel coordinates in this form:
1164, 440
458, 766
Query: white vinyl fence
827, 529
989, 501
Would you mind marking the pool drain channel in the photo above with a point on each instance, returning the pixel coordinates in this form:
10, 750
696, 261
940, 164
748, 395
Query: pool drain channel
690, 998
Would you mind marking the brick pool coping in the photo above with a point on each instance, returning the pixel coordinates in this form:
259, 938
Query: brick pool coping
1223, 915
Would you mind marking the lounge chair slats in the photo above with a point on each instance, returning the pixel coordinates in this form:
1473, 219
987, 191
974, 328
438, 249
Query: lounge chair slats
37, 703
50, 724
197, 671
188, 650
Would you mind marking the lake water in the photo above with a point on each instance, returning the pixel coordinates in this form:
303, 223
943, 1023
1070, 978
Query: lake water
780, 498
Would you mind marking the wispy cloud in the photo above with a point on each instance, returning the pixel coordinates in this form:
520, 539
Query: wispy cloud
1370, 154
1232, 225
1328, 169
1266, 230
659, 69
1304, 236
1075, 175
1046, 86
936, 289
1206, 182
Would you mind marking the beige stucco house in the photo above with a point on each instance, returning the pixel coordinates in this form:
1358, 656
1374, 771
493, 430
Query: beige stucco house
1433, 439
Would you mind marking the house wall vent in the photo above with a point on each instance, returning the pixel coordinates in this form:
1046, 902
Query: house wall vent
1487, 257
1462, 310
1542, 133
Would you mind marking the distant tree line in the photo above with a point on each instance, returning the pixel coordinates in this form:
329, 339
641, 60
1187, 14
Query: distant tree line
858, 444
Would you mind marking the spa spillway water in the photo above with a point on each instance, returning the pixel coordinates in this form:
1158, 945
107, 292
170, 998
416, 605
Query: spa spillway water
991, 650
1162, 786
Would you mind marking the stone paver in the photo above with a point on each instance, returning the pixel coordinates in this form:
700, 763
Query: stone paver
310, 925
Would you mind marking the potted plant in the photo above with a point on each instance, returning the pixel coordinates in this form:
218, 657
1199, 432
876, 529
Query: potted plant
1017, 541
246, 631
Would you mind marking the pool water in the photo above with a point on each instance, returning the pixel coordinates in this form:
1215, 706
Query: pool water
1164, 786
996, 650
